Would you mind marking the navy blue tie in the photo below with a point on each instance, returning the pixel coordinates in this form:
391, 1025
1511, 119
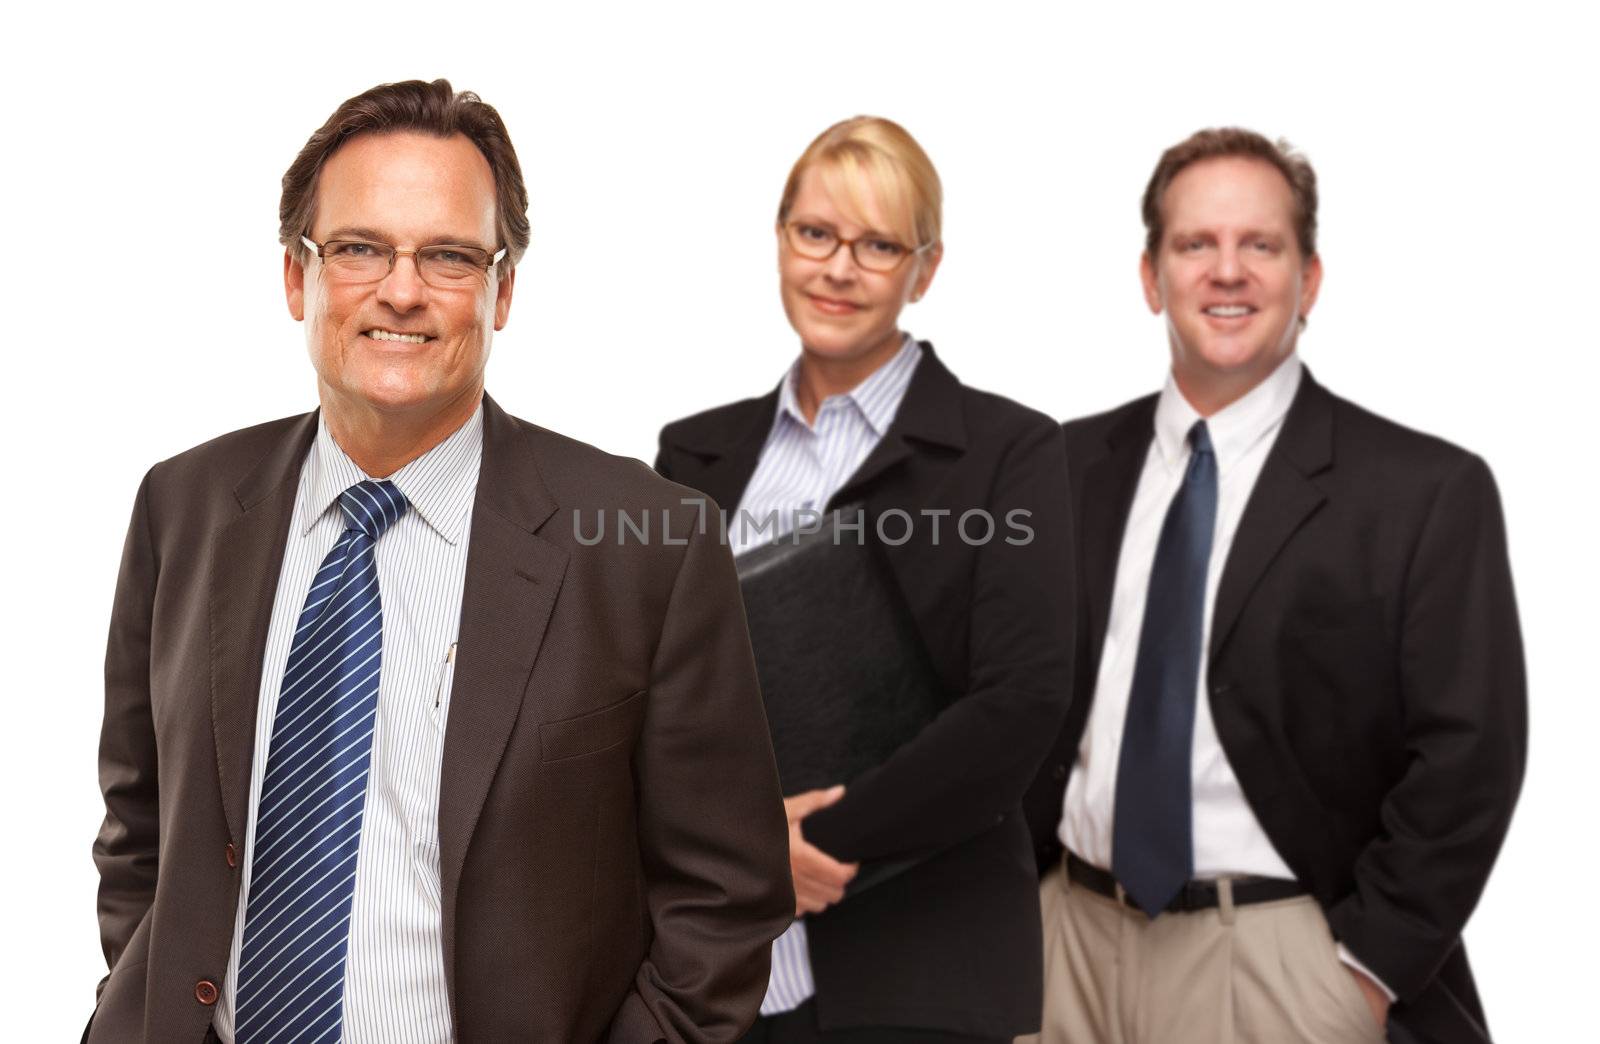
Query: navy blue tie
308, 821
1152, 847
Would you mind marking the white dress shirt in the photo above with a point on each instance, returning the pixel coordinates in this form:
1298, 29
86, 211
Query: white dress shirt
803, 465
1228, 838
394, 980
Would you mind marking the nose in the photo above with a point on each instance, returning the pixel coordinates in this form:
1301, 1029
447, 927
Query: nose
403, 289
841, 267
1229, 267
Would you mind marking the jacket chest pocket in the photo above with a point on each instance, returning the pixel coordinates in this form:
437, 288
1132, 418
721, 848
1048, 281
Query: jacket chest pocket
591, 733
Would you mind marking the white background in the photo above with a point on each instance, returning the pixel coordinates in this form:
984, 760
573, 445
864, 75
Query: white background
144, 310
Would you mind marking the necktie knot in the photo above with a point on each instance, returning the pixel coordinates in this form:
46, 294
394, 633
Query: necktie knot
372, 506
1200, 438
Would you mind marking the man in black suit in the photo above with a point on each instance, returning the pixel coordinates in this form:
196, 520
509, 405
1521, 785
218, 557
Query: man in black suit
1300, 720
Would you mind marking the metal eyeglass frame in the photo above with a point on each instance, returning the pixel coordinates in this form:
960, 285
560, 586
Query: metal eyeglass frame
395, 252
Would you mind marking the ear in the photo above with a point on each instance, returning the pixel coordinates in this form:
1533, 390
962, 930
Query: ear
502, 299
1310, 284
930, 264
294, 285
1152, 284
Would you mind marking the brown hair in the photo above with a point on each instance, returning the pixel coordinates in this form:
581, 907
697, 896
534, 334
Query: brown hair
430, 108
1216, 143
870, 153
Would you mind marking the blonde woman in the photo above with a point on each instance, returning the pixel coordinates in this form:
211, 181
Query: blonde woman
966, 495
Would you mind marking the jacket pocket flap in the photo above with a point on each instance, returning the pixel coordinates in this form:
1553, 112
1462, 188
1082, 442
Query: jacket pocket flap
591, 732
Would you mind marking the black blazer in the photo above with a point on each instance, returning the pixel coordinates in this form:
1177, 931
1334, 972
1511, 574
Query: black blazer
953, 943
1365, 676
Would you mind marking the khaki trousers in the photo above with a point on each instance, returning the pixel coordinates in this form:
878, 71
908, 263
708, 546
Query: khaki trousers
1267, 973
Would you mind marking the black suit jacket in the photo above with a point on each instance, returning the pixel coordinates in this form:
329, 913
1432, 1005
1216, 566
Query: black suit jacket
954, 942
1365, 676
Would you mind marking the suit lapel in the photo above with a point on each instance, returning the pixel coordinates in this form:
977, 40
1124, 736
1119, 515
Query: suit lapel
930, 414
888, 454
246, 558
727, 452
513, 576
1108, 488
726, 477
1283, 499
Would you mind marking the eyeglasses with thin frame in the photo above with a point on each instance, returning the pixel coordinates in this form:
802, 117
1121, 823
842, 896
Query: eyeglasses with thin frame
446, 266
873, 251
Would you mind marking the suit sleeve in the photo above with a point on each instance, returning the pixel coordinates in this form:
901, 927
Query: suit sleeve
1465, 712
968, 769
713, 839
125, 850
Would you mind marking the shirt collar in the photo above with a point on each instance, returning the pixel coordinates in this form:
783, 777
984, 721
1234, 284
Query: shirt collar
439, 485
877, 398
1235, 428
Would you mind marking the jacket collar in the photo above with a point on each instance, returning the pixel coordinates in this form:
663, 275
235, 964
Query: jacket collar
930, 412
729, 440
1284, 497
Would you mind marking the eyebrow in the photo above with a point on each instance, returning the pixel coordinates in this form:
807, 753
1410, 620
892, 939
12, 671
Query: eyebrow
1213, 233
373, 235
1179, 235
870, 233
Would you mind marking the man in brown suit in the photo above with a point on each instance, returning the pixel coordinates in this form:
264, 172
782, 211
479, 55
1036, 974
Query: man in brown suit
557, 817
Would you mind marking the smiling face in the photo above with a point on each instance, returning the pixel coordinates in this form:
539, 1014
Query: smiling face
399, 345
1230, 277
843, 313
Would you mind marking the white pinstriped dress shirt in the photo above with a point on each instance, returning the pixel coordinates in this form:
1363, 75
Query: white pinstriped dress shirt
394, 981
801, 466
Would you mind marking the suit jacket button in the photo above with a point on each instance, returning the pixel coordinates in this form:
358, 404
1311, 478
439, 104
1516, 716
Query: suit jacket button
205, 991
1060, 771
231, 854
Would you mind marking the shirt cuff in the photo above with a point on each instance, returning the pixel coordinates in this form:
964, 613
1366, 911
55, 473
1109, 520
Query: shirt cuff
1350, 959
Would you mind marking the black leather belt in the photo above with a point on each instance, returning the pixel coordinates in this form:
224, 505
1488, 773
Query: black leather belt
1194, 895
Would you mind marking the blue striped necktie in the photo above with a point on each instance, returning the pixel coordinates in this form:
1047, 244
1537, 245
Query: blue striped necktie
1152, 840
308, 820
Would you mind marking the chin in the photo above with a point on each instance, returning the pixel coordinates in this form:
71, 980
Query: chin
1233, 357
1242, 361
832, 347
824, 340
393, 392
837, 342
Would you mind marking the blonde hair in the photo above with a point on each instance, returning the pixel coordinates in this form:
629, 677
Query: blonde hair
869, 157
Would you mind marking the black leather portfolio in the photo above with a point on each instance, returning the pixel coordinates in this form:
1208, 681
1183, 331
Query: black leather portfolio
843, 672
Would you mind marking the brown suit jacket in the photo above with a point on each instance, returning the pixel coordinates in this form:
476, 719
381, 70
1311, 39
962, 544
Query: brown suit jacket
612, 845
